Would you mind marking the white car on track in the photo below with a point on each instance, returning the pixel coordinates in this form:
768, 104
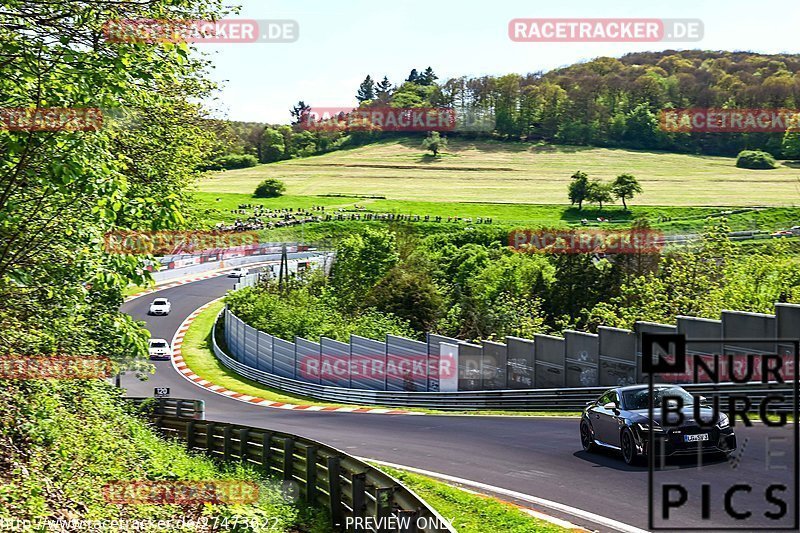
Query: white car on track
160, 349
238, 273
160, 306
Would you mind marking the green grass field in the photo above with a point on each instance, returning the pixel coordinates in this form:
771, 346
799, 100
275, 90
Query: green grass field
515, 173
217, 206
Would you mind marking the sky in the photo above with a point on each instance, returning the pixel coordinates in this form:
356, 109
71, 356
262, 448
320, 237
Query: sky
340, 42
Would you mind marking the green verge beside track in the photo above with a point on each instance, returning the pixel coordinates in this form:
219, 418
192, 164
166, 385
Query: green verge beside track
472, 512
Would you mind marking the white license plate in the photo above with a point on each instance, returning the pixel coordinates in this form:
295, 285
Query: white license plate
695, 438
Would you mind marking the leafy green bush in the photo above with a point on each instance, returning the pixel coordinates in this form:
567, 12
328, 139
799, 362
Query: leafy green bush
301, 313
756, 159
269, 188
231, 162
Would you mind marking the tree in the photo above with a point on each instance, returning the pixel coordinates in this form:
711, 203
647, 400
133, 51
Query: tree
269, 188
409, 293
300, 113
791, 143
599, 192
361, 260
366, 91
641, 128
384, 90
273, 145
427, 77
413, 76
578, 189
434, 142
625, 187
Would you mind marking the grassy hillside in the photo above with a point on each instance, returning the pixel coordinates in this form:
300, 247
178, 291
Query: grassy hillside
62, 441
486, 171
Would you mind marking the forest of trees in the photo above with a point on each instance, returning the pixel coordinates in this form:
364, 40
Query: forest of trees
604, 102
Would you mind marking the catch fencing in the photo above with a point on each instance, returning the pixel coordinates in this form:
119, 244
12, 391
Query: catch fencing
320, 475
611, 357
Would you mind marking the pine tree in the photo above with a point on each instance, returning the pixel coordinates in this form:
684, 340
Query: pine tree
428, 77
300, 112
366, 91
384, 90
413, 77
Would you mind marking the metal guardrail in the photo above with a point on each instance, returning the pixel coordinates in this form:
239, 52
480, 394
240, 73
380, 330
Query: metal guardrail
568, 399
324, 476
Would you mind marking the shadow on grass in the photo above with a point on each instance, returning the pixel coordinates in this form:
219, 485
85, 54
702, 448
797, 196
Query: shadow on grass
573, 214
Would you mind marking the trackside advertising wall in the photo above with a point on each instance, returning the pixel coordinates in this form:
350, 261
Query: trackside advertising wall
612, 357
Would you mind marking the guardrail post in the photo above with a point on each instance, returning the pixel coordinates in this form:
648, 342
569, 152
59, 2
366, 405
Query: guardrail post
288, 458
244, 436
359, 494
408, 521
266, 451
311, 474
227, 431
384, 499
200, 409
210, 439
161, 402
190, 431
335, 491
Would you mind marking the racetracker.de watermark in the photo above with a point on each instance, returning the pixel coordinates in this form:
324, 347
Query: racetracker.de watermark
379, 119
715, 120
180, 492
586, 241
56, 119
584, 30
378, 367
161, 243
55, 367
224, 31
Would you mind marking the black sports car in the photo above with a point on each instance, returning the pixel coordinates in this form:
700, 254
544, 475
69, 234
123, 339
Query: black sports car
619, 419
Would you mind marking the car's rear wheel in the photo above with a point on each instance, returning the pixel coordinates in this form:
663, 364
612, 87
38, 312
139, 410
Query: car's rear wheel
587, 440
628, 447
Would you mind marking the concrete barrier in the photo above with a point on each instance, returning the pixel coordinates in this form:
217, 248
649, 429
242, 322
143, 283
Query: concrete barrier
582, 359
788, 317
434, 351
549, 361
640, 327
407, 354
495, 363
617, 356
470, 368
745, 325
308, 360
363, 353
521, 362
700, 328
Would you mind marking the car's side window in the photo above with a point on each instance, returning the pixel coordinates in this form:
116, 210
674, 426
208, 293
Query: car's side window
616, 399
609, 396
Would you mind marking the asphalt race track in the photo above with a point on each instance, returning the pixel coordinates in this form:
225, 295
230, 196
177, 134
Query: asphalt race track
541, 457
